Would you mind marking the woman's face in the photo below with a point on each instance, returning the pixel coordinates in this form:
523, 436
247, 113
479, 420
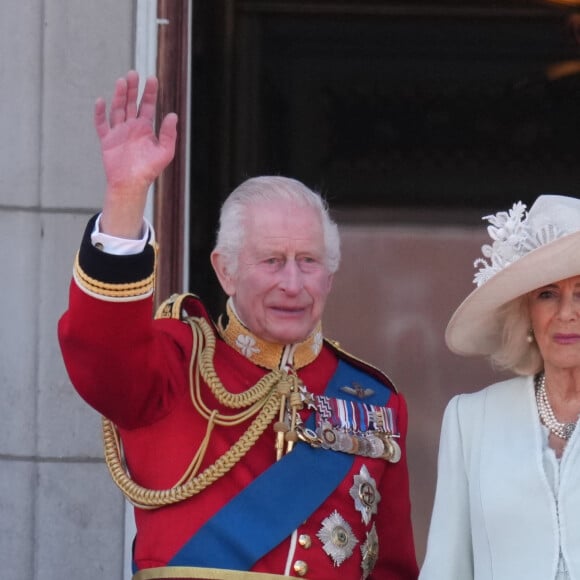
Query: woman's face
555, 317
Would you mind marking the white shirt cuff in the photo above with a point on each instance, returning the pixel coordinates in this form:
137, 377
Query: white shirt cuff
121, 246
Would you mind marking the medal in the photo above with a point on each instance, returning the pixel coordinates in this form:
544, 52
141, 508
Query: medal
337, 538
395, 451
370, 552
365, 494
392, 451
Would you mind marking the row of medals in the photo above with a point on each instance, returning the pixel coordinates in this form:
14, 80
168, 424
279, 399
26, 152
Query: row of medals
372, 443
375, 444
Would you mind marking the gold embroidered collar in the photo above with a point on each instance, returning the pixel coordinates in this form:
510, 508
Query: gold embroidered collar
268, 355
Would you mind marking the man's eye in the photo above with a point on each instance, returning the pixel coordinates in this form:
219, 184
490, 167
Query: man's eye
309, 264
307, 260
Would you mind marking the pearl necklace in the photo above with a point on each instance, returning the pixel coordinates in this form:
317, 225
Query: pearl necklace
561, 430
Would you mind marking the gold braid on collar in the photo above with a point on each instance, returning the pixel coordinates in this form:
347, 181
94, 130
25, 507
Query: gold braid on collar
268, 355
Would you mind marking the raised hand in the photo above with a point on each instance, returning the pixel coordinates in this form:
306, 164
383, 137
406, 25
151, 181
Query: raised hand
133, 155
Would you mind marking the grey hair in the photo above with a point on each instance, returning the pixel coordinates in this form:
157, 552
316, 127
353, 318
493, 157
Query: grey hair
516, 353
266, 188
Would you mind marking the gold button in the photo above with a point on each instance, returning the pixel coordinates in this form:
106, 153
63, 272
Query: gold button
305, 541
300, 567
99, 246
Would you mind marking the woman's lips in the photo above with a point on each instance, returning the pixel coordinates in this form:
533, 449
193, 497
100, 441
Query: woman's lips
567, 338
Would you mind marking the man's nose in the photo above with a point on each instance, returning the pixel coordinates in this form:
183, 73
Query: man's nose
291, 278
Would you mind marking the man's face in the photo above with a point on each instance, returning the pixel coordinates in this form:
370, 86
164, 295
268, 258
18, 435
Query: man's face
282, 282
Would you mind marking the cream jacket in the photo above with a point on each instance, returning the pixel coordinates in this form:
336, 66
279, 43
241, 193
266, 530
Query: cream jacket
495, 516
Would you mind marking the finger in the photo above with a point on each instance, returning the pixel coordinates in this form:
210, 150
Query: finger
100, 118
149, 99
132, 93
168, 134
119, 103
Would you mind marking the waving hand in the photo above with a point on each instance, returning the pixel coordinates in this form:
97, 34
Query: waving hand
133, 155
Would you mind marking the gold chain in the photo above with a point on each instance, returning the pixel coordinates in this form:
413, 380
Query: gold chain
262, 399
207, 369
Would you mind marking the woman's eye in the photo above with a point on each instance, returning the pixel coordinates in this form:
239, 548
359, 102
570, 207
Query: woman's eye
544, 294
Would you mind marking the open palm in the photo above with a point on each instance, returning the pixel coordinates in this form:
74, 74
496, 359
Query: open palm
133, 155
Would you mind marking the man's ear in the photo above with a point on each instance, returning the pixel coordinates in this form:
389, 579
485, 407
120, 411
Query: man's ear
219, 263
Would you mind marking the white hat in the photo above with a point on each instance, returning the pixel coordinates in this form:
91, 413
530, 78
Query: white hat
527, 252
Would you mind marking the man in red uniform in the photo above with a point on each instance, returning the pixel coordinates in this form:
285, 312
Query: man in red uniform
252, 448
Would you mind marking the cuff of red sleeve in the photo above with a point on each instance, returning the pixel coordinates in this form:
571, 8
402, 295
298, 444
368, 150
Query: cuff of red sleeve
112, 277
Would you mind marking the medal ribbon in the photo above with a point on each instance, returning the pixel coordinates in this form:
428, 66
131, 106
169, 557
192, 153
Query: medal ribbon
354, 416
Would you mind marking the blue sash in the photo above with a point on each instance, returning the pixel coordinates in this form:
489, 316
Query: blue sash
270, 508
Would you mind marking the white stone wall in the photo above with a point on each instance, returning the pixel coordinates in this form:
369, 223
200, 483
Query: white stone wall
60, 516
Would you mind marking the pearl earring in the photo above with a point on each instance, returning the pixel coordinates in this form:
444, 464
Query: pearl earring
530, 336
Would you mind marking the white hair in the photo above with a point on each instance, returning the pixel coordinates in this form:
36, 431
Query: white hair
267, 188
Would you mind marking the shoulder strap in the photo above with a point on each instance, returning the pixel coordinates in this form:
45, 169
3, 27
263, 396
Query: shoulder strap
361, 364
174, 306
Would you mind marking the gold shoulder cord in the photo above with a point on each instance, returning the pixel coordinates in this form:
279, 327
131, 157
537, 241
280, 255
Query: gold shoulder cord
263, 400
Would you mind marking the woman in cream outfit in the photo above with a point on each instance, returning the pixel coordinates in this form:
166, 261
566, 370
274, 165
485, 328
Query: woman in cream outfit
507, 504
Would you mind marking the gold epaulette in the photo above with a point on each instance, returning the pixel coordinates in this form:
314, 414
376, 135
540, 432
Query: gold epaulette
172, 307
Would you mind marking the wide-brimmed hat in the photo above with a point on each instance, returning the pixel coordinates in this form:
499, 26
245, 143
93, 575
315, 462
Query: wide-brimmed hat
528, 250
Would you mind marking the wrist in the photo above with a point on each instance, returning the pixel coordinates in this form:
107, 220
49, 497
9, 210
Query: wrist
123, 215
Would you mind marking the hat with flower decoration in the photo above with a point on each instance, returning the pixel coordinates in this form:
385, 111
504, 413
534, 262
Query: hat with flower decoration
528, 250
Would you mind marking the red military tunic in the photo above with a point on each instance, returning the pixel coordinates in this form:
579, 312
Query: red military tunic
135, 371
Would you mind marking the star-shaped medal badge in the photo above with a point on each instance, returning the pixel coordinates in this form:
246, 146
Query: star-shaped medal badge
370, 552
365, 494
337, 537
307, 397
